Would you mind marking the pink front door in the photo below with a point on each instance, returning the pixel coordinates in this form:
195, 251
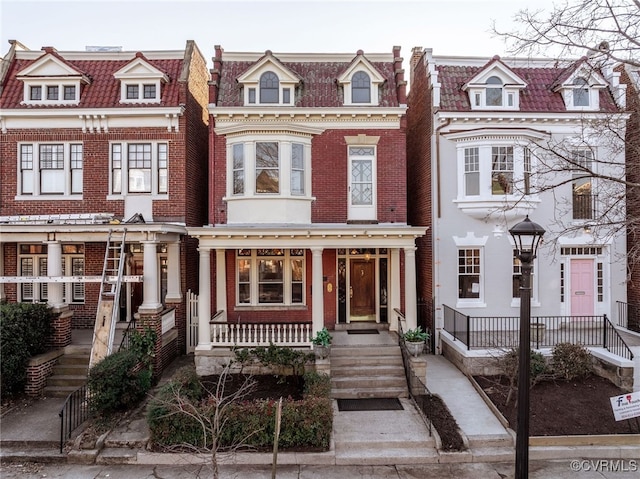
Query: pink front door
582, 287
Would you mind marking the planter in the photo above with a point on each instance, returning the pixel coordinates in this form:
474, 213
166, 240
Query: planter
536, 332
415, 347
321, 352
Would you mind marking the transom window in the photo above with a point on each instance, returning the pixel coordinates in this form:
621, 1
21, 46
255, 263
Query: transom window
50, 169
361, 88
270, 276
139, 168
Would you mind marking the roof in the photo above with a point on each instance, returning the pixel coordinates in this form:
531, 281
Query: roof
104, 89
318, 80
538, 96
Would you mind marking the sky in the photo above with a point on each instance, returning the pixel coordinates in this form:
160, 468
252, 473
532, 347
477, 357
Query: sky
450, 27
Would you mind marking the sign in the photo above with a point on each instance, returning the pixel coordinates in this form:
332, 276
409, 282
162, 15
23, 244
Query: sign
626, 406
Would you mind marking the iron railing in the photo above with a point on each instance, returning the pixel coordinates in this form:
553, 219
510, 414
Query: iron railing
125, 344
426, 315
487, 332
75, 411
629, 316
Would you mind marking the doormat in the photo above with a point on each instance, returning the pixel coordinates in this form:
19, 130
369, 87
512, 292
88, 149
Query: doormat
370, 404
363, 331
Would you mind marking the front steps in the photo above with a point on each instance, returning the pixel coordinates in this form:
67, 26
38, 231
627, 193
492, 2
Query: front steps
374, 371
69, 373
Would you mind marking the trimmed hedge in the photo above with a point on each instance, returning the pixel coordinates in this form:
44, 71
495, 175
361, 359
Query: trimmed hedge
306, 424
25, 329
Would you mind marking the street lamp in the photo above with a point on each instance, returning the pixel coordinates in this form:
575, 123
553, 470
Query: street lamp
526, 236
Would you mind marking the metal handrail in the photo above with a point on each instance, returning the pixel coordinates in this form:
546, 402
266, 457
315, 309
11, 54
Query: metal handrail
126, 336
75, 411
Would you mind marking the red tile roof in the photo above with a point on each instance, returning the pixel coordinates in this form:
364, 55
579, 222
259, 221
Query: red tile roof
538, 96
104, 89
318, 86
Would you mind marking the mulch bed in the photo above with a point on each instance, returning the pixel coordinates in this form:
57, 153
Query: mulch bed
559, 408
265, 386
444, 423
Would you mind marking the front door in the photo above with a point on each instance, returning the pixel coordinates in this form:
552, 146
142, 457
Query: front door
362, 303
582, 288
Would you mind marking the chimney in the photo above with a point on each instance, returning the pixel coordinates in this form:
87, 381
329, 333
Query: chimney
401, 84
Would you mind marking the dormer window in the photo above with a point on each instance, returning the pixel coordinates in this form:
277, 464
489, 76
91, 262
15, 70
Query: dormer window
581, 92
140, 81
361, 88
141, 92
269, 88
496, 87
494, 91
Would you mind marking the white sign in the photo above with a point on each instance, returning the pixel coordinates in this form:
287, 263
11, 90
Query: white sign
626, 406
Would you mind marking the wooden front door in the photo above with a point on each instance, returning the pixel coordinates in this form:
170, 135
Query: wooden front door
362, 289
582, 289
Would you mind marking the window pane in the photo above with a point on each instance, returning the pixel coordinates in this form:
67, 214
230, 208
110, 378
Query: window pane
149, 91
252, 95
52, 93
360, 88
502, 170
472, 171
361, 182
244, 278
26, 269
269, 88
116, 168
139, 163
35, 93
267, 168
494, 95
468, 273
297, 169
162, 168
286, 95
69, 92
77, 269
238, 169
581, 92
132, 92
52, 177
270, 281
76, 168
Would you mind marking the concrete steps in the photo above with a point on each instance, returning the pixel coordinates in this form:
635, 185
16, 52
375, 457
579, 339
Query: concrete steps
69, 373
367, 372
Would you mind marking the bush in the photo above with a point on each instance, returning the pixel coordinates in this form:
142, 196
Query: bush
25, 329
537, 365
316, 384
570, 361
117, 383
280, 358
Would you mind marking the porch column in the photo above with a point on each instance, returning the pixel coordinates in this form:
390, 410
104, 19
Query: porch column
174, 293
204, 301
54, 268
221, 283
410, 298
150, 297
317, 301
394, 288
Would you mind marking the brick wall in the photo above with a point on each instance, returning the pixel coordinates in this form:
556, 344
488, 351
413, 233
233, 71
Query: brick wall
39, 369
419, 158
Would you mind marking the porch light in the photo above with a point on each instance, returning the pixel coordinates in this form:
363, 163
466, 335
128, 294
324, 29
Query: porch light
526, 237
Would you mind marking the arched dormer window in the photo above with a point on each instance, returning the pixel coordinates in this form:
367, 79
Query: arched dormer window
361, 88
269, 88
580, 92
494, 91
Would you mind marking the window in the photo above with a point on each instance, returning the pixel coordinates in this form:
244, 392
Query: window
361, 88
270, 276
471, 171
269, 88
584, 201
47, 92
69, 92
33, 262
267, 168
494, 91
141, 167
132, 92
286, 96
50, 169
502, 170
35, 93
580, 92
52, 92
297, 169
238, 169
362, 175
526, 171
469, 273
149, 92
140, 92
252, 95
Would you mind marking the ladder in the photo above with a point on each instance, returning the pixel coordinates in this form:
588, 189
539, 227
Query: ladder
109, 299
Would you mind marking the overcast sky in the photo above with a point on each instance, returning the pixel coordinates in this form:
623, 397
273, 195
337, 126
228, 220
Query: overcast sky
450, 27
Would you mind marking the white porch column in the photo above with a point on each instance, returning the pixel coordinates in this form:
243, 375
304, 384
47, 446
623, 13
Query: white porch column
3, 296
174, 293
150, 280
204, 301
54, 268
394, 288
410, 297
317, 290
221, 283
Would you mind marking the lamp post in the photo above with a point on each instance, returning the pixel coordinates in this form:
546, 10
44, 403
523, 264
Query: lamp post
526, 236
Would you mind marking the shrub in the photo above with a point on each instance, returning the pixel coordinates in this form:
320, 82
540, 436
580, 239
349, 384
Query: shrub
117, 383
570, 361
538, 367
316, 384
25, 329
279, 358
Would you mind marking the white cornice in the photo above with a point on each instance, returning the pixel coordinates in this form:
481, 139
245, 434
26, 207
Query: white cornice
77, 112
305, 57
521, 118
268, 127
98, 56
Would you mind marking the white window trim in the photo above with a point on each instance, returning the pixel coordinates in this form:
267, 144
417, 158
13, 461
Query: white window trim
374, 181
124, 83
476, 94
43, 84
124, 171
37, 195
348, 100
285, 142
287, 281
471, 242
283, 84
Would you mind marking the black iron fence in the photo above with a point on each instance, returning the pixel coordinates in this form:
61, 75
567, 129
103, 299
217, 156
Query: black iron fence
629, 316
487, 332
75, 411
426, 315
125, 344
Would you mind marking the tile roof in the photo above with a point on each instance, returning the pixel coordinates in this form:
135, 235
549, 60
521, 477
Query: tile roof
318, 87
104, 89
538, 96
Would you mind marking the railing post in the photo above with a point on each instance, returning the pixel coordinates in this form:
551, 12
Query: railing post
468, 333
605, 323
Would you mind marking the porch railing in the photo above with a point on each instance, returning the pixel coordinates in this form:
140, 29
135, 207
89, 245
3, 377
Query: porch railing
486, 332
261, 334
75, 411
628, 316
